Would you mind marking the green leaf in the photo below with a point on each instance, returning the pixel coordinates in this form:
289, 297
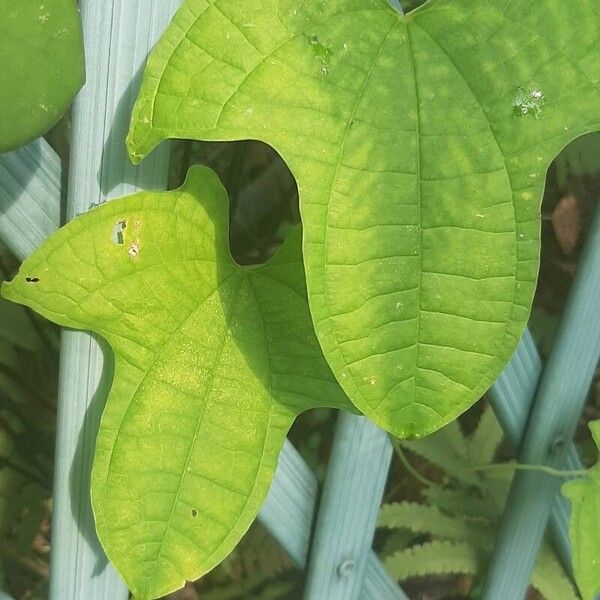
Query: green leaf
484, 441
584, 527
41, 53
420, 146
461, 501
549, 577
421, 518
437, 557
445, 557
213, 362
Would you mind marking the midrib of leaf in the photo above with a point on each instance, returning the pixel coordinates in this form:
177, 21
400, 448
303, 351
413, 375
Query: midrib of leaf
199, 421
491, 369
159, 355
334, 178
413, 65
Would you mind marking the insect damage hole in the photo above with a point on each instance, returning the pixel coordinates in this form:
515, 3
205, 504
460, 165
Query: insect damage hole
118, 231
134, 249
32, 279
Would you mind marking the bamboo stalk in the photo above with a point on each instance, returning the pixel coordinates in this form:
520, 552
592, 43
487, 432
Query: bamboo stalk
511, 397
562, 393
356, 477
29, 196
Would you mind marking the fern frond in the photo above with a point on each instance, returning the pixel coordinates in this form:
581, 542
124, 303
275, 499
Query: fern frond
396, 540
437, 557
484, 441
461, 501
445, 449
421, 518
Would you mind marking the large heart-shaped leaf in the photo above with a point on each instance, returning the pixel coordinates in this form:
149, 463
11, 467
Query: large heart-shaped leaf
419, 144
213, 362
584, 528
41, 53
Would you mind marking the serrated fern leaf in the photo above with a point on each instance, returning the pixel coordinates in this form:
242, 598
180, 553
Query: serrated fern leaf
437, 557
421, 518
461, 501
484, 441
397, 540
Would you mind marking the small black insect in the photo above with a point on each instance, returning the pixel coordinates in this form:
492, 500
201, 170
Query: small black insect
32, 279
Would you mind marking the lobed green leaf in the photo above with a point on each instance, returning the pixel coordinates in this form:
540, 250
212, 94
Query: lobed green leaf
213, 362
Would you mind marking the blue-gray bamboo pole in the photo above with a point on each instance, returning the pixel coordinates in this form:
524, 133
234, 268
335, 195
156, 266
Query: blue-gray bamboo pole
118, 36
347, 517
288, 514
558, 404
29, 196
289, 508
511, 397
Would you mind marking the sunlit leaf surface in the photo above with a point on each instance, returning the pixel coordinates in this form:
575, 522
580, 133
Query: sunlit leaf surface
420, 146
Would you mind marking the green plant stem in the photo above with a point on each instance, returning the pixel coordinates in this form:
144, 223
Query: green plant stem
525, 467
491, 467
406, 463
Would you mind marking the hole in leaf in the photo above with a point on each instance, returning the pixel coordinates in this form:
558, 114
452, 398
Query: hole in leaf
117, 236
32, 279
262, 191
133, 250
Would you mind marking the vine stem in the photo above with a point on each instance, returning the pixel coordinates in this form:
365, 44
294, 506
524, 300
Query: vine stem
491, 467
525, 467
406, 463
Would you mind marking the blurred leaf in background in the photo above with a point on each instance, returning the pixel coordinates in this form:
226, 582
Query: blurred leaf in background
28, 375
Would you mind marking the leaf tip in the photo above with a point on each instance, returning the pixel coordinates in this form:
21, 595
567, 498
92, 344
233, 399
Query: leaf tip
143, 136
